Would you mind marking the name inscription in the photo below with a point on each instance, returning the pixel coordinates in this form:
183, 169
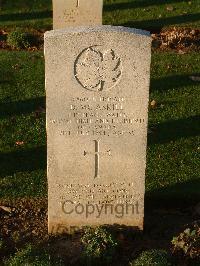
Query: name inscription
97, 116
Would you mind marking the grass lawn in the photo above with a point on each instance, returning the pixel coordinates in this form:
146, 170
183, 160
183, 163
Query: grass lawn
145, 14
174, 141
22, 93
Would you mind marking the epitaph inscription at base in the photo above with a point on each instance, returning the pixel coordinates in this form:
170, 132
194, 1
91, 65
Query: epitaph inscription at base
97, 84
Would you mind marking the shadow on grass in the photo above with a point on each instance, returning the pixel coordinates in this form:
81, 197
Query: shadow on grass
26, 16
137, 4
22, 160
27, 106
21, 107
171, 82
158, 24
168, 211
175, 129
6, 77
180, 195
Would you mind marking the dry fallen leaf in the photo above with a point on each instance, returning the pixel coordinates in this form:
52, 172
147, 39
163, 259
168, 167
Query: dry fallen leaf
16, 66
3, 32
195, 78
181, 52
19, 143
170, 8
6, 209
153, 104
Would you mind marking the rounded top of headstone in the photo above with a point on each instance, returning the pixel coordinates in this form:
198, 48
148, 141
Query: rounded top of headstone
104, 28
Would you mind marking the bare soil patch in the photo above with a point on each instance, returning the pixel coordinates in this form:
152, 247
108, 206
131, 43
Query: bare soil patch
25, 221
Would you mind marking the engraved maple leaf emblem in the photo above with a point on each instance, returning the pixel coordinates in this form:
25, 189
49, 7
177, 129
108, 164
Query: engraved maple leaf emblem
98, 70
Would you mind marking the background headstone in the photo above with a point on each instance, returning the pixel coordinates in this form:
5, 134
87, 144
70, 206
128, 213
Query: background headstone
72, 13
97, 85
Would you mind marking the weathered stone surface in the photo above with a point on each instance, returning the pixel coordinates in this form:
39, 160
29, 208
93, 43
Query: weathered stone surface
75, 13
97, 84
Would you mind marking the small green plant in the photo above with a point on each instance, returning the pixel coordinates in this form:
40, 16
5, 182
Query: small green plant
188, 242
154, 257
18, 39
99, 245
15, 236
31, 256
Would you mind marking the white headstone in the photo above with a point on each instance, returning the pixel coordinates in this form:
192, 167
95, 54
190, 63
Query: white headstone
72, 13
97, 85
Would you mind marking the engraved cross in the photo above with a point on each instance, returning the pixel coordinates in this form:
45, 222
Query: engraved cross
97, 154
